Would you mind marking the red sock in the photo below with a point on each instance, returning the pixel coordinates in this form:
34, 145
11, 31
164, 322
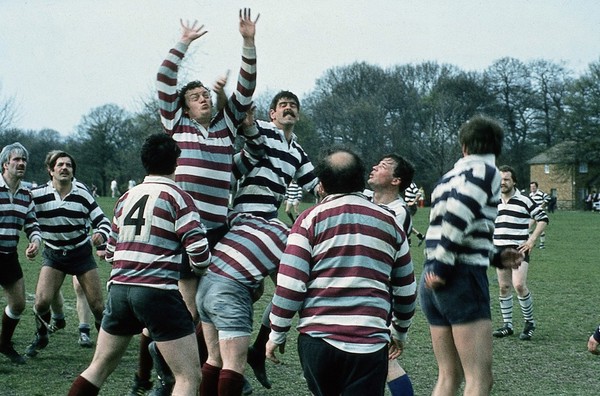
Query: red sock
209, 384
230, 383
83, 387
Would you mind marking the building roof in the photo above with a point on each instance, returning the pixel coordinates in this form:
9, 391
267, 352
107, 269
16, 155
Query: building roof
562, 153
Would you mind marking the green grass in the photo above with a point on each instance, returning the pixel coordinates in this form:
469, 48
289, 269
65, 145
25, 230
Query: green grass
555, 362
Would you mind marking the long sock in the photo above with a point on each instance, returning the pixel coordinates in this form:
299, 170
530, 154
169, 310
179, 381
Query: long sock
526, 303
202, 349
401, 386
230, 383
83, 387
542, 238
260, 343
144, 371
506, 308
209, 385
9, 323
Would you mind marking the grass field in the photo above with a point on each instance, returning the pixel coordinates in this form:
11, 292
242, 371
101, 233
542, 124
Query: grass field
555, 362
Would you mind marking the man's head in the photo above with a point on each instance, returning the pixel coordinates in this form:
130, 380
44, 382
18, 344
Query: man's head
159, 154
14, 161
61, 166
284, 110
391, 170
196, 100
533, 186
341, 171
481, 135
508, 179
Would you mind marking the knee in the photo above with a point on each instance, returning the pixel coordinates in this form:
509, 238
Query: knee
16, 308
504, 290
521, 289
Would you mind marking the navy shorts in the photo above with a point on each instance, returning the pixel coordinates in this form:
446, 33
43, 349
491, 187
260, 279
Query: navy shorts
331, 371
75, 262
11, 269
226, 304
464, 299
131, 308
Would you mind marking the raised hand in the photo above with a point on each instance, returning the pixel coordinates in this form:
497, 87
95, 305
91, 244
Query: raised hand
248, 26
191, 31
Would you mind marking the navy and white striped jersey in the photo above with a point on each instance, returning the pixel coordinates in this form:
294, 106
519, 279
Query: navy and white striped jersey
264, 180
66, 222
464, 206
293, 192
411, 192
540, 198
514, 215
153, 223
16, 211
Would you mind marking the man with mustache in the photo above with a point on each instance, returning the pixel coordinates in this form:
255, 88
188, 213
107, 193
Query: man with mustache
17, 211
251, 250
66, 211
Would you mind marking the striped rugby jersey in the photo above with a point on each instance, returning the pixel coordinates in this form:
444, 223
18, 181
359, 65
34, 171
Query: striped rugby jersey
293, 192
345, 269
66, 223
399, 209
264, 182
16, 212
464, 206
540, 197
204, 167
153, 223
411, 192
514, 215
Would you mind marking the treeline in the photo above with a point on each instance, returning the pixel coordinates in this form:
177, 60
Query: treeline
414, 110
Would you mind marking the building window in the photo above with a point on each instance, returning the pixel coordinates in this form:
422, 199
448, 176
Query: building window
546, 169
583, 167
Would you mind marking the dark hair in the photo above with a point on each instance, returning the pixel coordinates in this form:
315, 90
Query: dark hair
54, 155
506, 168
159, 154
187, 87
341, 175
403, 170
481, 135
534, 182
284, 95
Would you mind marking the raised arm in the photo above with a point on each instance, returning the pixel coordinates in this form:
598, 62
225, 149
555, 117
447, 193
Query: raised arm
247, 27
166, 79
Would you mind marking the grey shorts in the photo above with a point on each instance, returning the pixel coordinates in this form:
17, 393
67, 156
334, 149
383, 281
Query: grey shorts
226, 304
464, 299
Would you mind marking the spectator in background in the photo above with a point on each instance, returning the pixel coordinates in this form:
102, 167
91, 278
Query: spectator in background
114, 188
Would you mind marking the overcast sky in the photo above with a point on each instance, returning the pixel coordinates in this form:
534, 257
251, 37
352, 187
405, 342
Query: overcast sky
62, 58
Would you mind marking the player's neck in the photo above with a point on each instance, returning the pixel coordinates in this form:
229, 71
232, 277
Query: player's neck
385, 196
